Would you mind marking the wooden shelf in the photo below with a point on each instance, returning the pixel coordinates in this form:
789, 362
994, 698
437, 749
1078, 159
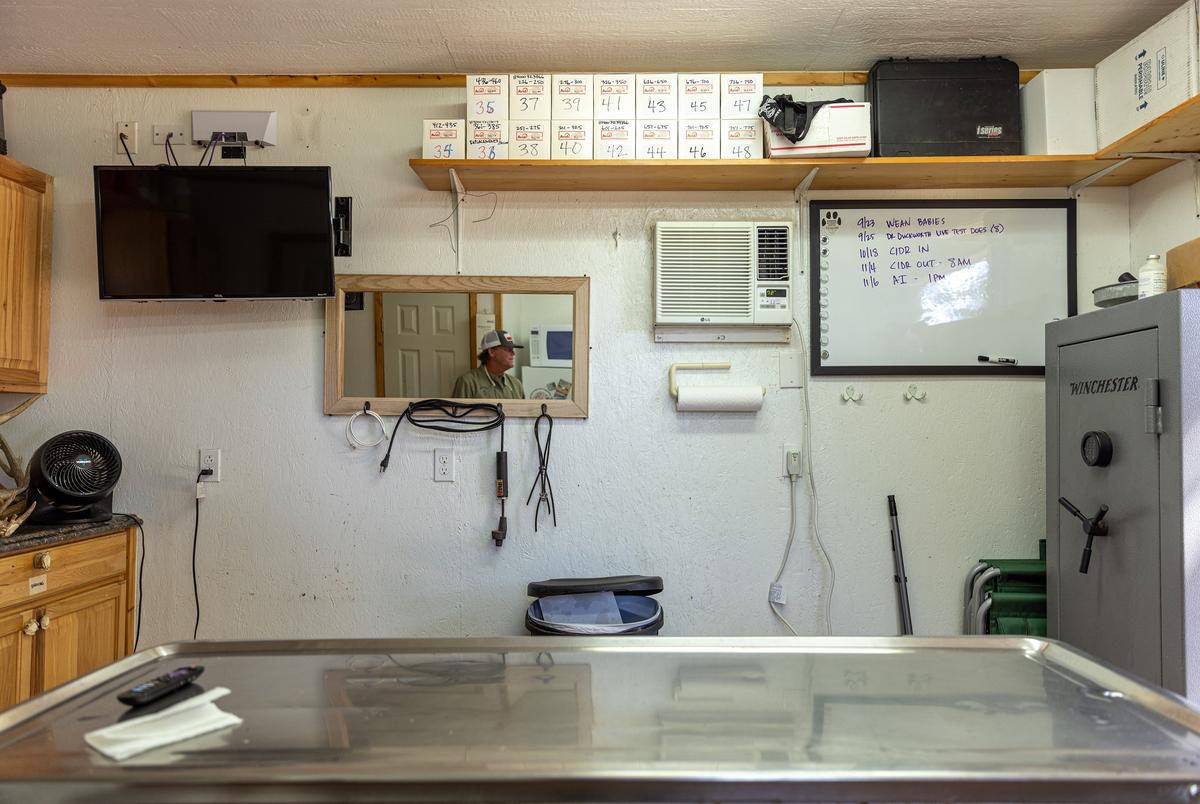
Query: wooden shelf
912, 173
1177, 131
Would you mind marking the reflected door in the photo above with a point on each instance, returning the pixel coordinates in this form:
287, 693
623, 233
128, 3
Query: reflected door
426, 343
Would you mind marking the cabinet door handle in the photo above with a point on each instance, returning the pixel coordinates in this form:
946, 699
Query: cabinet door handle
44, 622
42, 561
30, 628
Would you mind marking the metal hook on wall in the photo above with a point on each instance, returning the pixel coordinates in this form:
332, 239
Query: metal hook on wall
849, 394
913, 392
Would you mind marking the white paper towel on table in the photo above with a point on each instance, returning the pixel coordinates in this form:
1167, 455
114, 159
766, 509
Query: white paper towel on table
730, 399
184, 720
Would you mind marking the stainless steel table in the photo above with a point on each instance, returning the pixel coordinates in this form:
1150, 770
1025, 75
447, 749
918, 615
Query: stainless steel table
633, 719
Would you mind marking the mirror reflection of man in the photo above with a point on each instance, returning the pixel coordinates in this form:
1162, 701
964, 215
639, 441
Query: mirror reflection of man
492, 380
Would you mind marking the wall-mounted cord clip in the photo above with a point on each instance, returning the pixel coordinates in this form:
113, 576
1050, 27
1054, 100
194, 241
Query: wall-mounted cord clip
543, 478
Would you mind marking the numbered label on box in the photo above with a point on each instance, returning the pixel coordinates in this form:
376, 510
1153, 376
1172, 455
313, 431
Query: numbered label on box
487, 139
657, 139
656, 96
573, 97
699, 96
444, 139
742, 139
529, 96
699, 139
529, 140
614, 139
487, 97
741, 94
572, 140
614, 97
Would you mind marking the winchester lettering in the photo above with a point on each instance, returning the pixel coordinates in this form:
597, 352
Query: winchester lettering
1108, 386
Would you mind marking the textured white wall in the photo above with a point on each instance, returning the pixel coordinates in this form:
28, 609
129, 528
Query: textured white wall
304, 538
1163, 213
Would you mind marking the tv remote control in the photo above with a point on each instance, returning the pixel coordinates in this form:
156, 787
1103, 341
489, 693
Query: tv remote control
156, 688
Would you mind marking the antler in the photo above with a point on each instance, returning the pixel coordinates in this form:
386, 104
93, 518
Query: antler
14, 509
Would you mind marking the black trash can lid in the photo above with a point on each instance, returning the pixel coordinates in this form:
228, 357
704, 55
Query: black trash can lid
627, 584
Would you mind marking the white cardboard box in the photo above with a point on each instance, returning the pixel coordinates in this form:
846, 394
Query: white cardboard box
700, 139
741, 94
1058, 112
614, 96
443, 139
529, 96
614, 139
838, 129
656, 96
657, 139
572, 139
529, 139
699, 96
487, 97
487, 139
1151, 75
572, 97
742, 139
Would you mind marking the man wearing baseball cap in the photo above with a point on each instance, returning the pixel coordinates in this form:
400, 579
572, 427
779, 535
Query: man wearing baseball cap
492, 380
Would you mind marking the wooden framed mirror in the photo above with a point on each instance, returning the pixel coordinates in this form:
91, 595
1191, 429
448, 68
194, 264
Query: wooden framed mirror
391, 340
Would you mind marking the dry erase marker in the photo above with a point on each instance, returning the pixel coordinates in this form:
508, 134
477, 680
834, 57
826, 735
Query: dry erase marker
1008, 361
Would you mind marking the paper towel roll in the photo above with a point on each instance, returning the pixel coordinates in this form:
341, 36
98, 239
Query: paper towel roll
731, 399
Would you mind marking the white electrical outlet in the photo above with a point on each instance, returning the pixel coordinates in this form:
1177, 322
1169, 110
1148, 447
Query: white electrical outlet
792, 463
443, 465
176, 132
130, 130
211, 459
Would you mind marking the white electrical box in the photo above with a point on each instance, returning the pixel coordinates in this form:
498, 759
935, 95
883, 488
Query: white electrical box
699, 139
572, 139
443, 139
741, 94
614, 139
487, 97
614, 96
657, 96
529, 139
258, 128
487, 139
529, 96
573, 97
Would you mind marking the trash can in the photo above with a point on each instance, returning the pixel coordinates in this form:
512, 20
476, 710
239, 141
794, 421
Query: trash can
616, 606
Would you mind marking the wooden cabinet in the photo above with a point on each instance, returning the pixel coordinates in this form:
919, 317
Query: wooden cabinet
65, 610
26, 203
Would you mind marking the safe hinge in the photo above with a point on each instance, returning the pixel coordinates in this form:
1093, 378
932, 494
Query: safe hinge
1154, 422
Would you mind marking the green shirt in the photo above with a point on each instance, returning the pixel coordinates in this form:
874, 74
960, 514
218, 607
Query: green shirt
479, 383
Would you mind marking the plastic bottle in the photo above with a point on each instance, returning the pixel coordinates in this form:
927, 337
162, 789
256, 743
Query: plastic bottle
1152, 277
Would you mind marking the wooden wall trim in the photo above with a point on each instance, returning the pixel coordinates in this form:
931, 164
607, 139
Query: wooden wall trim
361, 80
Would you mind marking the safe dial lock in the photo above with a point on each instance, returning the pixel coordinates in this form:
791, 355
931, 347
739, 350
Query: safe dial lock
1096, 448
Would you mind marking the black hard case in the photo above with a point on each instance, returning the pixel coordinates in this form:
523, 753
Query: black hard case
964, 107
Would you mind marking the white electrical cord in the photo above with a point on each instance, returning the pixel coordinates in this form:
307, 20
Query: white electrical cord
786, 552
812, 486
353, 438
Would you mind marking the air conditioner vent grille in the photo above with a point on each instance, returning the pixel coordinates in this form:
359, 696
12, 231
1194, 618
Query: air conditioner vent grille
705, 272
773, 263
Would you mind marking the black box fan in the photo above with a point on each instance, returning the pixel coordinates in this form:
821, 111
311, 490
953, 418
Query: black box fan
71, 479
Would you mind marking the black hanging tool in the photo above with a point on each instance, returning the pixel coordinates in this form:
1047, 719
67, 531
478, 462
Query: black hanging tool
547, 493
501, 530
906, 626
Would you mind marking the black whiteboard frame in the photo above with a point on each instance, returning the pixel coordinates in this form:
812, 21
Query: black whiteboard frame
978, 369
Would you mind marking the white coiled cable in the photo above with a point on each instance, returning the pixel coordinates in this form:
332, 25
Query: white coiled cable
353, 438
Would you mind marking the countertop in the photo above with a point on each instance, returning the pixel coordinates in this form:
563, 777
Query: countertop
633, 719
31, 538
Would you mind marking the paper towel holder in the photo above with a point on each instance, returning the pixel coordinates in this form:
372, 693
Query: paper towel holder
674, 385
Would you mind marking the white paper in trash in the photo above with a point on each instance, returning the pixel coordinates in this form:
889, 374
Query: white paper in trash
589, 608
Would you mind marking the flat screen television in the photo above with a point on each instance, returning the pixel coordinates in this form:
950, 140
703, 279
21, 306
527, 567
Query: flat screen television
214, 232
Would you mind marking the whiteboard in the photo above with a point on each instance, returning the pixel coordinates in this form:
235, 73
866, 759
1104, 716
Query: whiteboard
927, 287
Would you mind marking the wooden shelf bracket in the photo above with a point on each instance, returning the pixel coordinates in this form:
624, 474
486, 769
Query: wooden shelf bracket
1078, 187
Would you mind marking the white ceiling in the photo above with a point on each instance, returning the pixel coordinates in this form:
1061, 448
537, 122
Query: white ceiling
456, 36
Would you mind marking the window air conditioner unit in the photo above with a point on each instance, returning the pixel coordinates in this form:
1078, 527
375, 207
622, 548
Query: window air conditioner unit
722, 273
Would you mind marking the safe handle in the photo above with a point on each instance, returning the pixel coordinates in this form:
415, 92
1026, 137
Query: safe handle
1092, 526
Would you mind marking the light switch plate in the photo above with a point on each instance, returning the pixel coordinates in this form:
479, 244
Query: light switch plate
791, 374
